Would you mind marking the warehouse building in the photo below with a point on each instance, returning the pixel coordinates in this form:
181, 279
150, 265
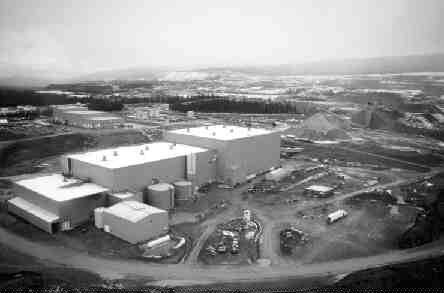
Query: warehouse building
135, 222
241, 152
54, 203
80, 116
135, 167
146, 113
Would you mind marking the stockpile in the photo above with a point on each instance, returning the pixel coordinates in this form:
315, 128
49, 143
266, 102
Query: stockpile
323, 126
377, 118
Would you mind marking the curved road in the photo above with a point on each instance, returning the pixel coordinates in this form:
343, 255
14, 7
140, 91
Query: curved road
186, 274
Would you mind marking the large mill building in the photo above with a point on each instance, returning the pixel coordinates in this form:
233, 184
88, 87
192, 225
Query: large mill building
241, 152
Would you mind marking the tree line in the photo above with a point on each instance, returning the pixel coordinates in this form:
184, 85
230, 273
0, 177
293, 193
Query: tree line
214, 104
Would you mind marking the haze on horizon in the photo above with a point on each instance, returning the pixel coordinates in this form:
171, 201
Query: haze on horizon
84, 36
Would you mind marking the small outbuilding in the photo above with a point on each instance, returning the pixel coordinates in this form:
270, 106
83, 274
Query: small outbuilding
134, 221
319, 190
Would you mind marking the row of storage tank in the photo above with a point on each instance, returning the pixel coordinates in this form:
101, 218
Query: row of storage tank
166, 196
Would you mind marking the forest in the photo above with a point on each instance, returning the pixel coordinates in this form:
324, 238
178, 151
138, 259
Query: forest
214, 104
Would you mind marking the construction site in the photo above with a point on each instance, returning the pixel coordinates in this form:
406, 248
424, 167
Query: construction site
232, 195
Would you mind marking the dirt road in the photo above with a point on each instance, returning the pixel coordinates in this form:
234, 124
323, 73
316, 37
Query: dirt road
193, 274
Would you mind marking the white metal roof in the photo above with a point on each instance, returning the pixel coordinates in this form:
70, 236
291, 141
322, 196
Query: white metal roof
136, 154
319, 188
85, 112
67, 107
56, 188
133, 211
33, 209
105, 118
122, 195
222, 132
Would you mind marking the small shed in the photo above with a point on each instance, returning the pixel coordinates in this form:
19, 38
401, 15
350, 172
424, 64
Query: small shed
134, 221
319, 190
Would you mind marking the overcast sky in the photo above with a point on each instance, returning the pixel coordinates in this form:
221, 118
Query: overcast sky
89, 35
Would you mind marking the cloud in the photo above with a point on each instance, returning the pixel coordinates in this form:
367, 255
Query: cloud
32, 48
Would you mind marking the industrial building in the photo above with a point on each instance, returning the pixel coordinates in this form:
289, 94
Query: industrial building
241, 152
145, 113
161, 174
135, 167
80, 116
134, 221
54, 203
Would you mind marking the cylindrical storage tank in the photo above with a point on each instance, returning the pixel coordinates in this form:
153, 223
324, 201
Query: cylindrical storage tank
183, 191
98, 217
161, 195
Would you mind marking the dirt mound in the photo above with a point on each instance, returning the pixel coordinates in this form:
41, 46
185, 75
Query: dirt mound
378, 118
323, 126
324, 122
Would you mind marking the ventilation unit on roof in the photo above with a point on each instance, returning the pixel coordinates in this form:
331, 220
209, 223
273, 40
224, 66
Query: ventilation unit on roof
206, 127
231, 130
214, 133
188, 129
141, 152
104, 158
224, 126
116, 153
172, 146
147, 148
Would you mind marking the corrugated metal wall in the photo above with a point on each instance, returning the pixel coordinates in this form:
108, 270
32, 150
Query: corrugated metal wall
97, 174
237, 158
145, 229
81, 210
45, 226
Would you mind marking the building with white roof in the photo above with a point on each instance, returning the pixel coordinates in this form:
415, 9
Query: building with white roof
134, 167
145, 113
320, 190
241, 152
53, 202
80, 116
135, 222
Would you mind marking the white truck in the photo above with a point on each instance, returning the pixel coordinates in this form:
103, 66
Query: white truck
335, 216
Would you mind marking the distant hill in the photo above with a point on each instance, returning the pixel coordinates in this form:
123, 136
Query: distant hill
391, 64
394, 64
142, 73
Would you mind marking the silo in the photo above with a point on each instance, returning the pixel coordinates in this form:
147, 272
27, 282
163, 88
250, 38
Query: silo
161, 195
98, 217
183, 190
